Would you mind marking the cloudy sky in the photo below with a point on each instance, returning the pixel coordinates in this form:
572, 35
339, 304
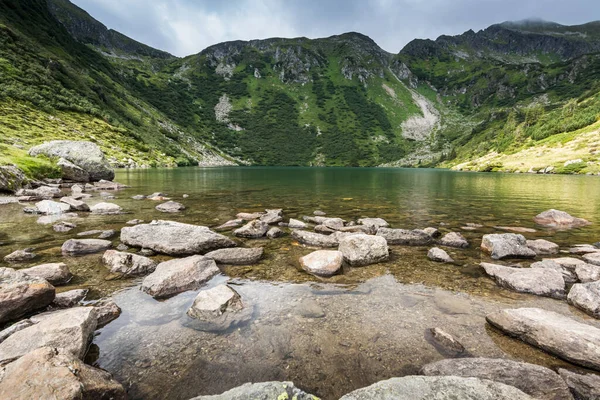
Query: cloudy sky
184, 27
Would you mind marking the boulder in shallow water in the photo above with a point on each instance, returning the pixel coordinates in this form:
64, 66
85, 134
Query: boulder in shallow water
565, 265
263, 390
51, 373
43, 192
314, 239
586, 296
583, 386
20, 256
587, 273
55, 273
374, 223
75, 205
322, 262
538, 382
555, 333
212, 303
69, 299
72, 172
274, 233
433, 232
170, 207
234, 223
405, 237
296, 224
506, 245
128, 264
49, 207
438, 388
63, 227
583, 249
454, 239
559, 219
179, 275
439, 255
592, 258
542, 247
77, 247
254, 229
272, 216
538, 281
237, 255
21, 294
174, 238
106, 208
249, 216
360, 250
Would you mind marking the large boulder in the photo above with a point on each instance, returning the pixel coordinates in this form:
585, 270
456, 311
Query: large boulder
542, 247
72, 172
538, 382
454, 239
85, 155
559, 219
179, 275
237, 255
555, 333
21, 294
51, 373
78, 247
128, 264
538, 281
506, 245
416, 237
438, 388
263, 390
583, 386
314, 239
254, 229
11, 178
70, 329
586, 296
360, 250
322, 262
55, 273
174, 238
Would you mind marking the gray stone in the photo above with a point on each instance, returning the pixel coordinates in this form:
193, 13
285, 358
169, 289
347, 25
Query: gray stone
69, 299
213, 303
128, 264
272, 216
447, 341
296, 224
360, 250
592, 258
405, 237
322, 262
249, 216
11, 178
135, 222
93, 232
438, 388
583, 249
583, 386
454, 239
538, 281
20, 256
179, 275
107, 234
55, 273
274, 233
566, 265
262, 391
18, 326
72, 172
516, 229
559, 219
538, 382
433, 232
75, 205
586, 296
49, 207
21, 294
234, 223
542, 247
374, 223
506, 245
314, 239
322, 229
138, 197
587, 273
319, 213
52, 219
75, 247
106, 208
64, 226
237, 255
106, 311
43, 192
439, 255
174, 238
254, 229
557, 334
170, 207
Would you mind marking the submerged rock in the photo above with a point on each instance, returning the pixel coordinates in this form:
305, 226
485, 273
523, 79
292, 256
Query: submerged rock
21, 294
55, 273
538, 281
454, 239
506, 245
170, 207
542, 247
439, 255
405, 237
446, 340
583, 386
264, 390
179, 275
106, 208
64, 226
586, 296
555, 333
559, 219
272, 216
174, 238
438, 388
516, 229
237, 255
75, 247
322, 262
128, 264
11, 178
315, 239
538, 382
253, 229
360, 250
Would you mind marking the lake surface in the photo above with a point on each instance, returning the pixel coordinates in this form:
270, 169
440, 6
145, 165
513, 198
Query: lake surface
328, 336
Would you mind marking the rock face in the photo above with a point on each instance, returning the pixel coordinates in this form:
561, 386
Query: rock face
360, 250
49, 207
322, 262
212, 303
538, 281
592, 258
85, 155
583, 387
263, 390
506, 245
557, 334
405, 237
106, 208
21, 294
538, 382
439, 255
176, 276
587, 273
314, 239
438, 388
75, 247
11, 178
56, 273
170, 207
253, 229
454, 239
174, 238
128, 264
542, 247
559, 219
586, 296
69, 329
237, 255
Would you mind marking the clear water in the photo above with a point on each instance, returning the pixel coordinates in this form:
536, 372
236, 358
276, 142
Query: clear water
329, 336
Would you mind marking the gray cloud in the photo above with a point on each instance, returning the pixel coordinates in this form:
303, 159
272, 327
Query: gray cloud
184, 27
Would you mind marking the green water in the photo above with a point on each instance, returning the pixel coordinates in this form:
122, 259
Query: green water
373, 320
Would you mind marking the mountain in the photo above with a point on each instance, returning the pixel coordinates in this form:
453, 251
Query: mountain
483, 100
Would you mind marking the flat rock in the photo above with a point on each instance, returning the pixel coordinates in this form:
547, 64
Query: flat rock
314, 239
93, 232
20, 256
322, 229
537, 381
274, 233
438, 388
272, 216
262, 391
170, 207
75, 205
174, 238
179, 275
439, 255
64, 226
516, 229
70, 329
55, 273
586, 296
249, 216
234, 223
542, 247
69, 299
405, 237
106, 208
454, 239
538, 281
254, 229
583, 249
107, 234
49, 207
587, 273
74, 247
50, 373
592, 258
128, 264
213, 303
319, 213
583, 386
360, 250
237, 255
322, 262
21, 294
555, 333
374, 223
506, 245
135, 222
296, 224
559, 219
569, 275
